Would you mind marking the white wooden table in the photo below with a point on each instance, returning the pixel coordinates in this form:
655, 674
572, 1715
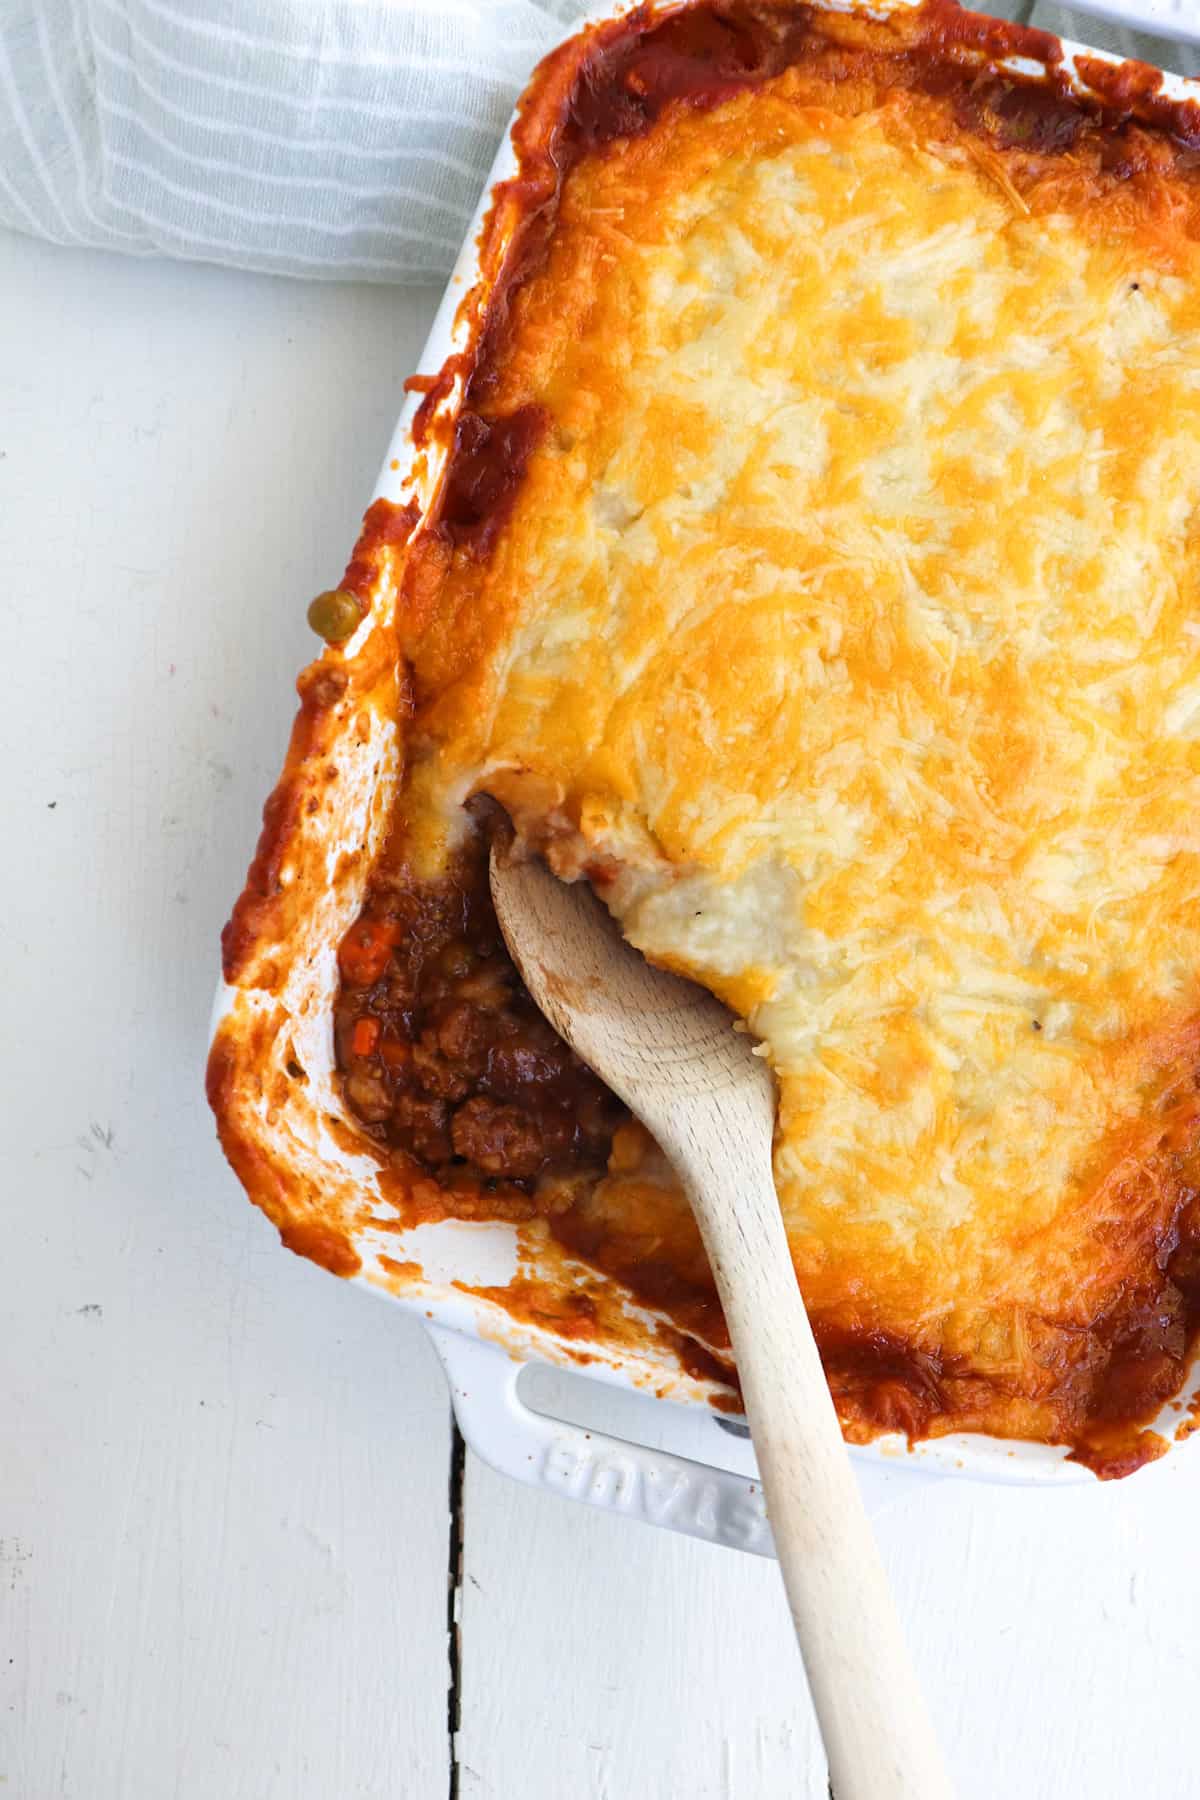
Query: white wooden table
233, 1530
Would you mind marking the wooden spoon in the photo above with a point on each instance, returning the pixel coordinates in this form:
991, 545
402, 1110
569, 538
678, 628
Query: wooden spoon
670, 1051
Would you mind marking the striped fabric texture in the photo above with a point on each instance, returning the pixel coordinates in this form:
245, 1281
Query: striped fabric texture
313, 138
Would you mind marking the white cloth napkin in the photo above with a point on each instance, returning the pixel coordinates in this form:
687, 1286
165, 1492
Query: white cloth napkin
335, 138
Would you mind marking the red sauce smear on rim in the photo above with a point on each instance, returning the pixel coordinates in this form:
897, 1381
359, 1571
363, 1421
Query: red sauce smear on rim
385, 526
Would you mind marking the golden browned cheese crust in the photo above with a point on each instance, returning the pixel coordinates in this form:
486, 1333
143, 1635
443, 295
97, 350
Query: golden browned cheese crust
845, 620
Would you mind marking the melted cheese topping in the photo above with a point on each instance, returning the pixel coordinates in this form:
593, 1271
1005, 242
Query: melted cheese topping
850, 609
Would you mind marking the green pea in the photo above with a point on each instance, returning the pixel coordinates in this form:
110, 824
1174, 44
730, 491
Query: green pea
335, 615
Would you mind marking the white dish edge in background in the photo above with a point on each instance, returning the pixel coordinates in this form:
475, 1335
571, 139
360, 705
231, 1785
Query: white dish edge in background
1178, 19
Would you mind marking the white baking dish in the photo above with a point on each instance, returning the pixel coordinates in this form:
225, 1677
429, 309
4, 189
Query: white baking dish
1169, 18
703, 1480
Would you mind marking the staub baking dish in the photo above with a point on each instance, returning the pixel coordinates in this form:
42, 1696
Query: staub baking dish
496, 1295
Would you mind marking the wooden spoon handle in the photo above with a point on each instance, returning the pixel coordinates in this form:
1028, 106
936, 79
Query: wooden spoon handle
878, 1736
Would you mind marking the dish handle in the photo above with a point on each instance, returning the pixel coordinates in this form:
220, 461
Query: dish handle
607, 1472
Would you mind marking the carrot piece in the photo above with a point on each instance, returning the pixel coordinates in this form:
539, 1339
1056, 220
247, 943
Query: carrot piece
365, 1036
364, 951
395, 1052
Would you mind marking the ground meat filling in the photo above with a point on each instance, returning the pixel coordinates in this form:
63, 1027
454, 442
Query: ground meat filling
444, 1056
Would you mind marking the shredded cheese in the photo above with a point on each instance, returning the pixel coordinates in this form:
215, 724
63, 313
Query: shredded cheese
851, 607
